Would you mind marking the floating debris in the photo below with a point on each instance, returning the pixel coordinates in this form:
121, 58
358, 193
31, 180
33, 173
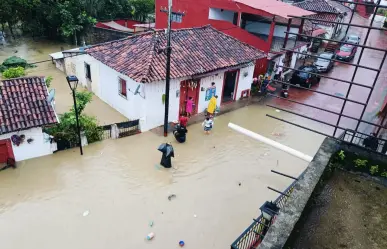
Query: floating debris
277, 110
150, 236
151, 223
181, 243
86, 213
170, 197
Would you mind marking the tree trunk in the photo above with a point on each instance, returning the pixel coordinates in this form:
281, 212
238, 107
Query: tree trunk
2, 28
11, 30
75, 38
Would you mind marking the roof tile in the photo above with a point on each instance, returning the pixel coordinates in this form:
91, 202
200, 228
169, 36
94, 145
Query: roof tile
194, 51
318, 6
21, 97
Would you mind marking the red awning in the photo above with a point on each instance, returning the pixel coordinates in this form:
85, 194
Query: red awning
276, 8
318, 32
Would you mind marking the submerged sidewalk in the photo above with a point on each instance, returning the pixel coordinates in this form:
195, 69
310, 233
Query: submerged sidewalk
223, 109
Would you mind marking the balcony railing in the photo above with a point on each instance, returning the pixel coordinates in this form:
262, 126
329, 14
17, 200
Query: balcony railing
254, 234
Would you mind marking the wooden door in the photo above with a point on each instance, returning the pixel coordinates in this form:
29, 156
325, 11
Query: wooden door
5, 150
189, 88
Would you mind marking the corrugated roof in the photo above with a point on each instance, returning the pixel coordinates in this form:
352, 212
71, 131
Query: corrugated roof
194, 51
277, 8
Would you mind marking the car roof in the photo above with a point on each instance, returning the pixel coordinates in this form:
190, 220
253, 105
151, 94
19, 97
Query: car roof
309, 67
326, 54
348, 45
353, 36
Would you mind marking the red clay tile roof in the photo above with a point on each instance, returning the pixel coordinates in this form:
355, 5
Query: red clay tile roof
194, 51
325, 17
318, 6
23, 104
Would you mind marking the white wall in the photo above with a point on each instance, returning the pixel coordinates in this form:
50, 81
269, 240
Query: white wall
76, 66
264, 28
244, 82
217, 14
205, 82
39, 147
132, 106
154, 105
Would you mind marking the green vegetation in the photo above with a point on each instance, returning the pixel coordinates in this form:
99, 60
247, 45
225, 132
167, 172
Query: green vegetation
67, 128
48, 81
68, 18
13, 72
351, 161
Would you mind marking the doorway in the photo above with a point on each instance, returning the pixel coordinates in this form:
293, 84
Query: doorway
189, 88
229, 86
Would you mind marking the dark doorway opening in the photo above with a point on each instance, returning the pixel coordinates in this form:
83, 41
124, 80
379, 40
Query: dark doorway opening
229, 86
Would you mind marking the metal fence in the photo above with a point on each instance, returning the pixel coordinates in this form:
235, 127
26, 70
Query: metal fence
125, 129
358, 138
255, 233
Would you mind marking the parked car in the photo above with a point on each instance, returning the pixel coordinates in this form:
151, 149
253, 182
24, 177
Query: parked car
305, 78
355, 39
346, 52
324, 63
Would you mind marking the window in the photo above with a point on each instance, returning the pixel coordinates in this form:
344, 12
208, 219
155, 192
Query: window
87, 71
122, 87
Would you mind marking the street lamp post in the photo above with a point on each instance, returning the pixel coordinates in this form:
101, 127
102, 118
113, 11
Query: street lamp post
72, 80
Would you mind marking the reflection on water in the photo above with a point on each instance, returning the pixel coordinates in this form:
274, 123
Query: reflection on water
118, 181
36, 51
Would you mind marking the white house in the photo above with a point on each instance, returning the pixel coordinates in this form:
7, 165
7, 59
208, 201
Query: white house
129, 74
25, 109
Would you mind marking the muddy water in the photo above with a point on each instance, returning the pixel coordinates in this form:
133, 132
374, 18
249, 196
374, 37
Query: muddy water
34, 51
119, 182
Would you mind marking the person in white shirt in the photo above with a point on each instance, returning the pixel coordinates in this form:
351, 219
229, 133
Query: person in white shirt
207, 125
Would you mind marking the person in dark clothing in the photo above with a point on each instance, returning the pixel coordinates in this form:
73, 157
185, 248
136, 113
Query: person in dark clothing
180, 133
371, 142
168, 152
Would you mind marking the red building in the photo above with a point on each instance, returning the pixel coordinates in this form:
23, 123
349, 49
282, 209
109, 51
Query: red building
260, 23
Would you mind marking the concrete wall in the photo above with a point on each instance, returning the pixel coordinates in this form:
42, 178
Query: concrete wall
76, 66
264, 28
99, 35
218, 14
205, 82
132, 106
154, 108
41, 145
244, 83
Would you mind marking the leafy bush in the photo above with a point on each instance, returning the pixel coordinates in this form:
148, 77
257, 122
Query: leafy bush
67, 128
13, 72
352, 162
15, 61
48, 81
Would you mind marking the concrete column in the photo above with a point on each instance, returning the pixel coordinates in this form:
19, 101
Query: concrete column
239, 19
271, 33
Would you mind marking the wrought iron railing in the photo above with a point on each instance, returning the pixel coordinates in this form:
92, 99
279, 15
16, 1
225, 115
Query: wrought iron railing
358, 138
255, 233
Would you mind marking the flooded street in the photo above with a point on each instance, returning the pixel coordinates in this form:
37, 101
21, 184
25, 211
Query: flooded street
34, 51
119, 182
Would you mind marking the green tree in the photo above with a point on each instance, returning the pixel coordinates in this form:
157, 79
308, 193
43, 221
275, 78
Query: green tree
142, 8
67, 128
13, 72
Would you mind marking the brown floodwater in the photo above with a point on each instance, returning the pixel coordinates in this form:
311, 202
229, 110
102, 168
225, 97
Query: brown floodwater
220, 180
34, 51
121, 185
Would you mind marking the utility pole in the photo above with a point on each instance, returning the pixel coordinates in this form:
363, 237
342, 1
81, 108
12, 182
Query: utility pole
177, 17
168, 69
